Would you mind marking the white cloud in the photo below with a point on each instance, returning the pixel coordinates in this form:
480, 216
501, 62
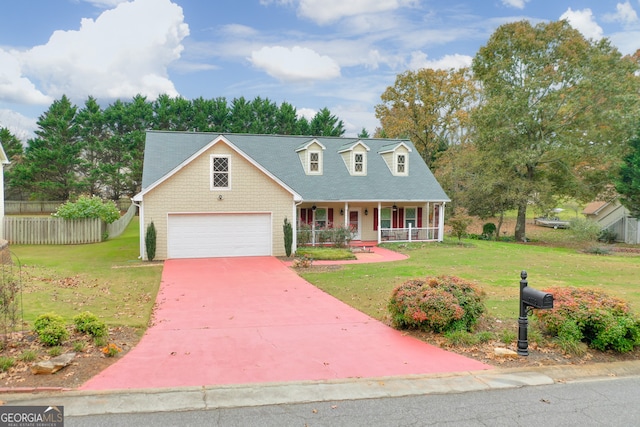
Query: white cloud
420, 60
625, 14
518, 4
307, 113
583, 21
14, 87
107, 4
295, 64
327, 11
21, 126
123, 52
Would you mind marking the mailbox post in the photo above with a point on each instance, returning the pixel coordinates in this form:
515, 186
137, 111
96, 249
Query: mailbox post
529, 298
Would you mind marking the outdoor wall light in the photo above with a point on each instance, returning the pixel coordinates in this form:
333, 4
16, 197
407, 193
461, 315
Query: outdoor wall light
366, 211
395, 208
220, 197
342, 212
313, 208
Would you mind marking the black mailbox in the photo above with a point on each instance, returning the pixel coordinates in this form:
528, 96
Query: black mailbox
529, 298
536, 299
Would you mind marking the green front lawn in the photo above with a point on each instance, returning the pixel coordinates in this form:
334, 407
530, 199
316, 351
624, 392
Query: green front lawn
495, 266
105, 278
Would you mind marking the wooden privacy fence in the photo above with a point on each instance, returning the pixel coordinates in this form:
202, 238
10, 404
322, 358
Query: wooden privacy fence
26, 207
57, 231
52, 231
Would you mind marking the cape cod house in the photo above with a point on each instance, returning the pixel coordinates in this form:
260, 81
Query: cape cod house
215, 195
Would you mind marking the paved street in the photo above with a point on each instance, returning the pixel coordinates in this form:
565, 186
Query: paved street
611, 402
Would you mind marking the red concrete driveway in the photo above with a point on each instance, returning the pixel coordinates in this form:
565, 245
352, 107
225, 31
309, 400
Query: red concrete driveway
250, 320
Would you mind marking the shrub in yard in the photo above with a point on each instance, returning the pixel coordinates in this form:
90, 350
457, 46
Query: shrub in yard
440, 304
88, 323
584, 230
489, 230
89, 207
459, 223
150, 241
287, 229
601, 321
51, 329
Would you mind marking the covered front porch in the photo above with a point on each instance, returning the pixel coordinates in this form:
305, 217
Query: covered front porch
325, 223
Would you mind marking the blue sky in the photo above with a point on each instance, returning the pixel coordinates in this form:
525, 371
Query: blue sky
340, 54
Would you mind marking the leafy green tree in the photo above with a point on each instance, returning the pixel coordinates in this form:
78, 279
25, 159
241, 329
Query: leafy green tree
286, 119
326, 124
364, 134
556, 110
52, 160
430, 107
628, 180
210, 115
175, 114
150, 241
14, 150
93, 131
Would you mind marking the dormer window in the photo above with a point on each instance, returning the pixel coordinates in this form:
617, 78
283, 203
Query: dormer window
358, 163
314, 161
311, 157
401, 161
354, 155
396, 156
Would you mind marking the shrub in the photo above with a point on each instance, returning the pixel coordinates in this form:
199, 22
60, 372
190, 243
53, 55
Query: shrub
51, 329
288, 237
150, 241
607, 236
88, 323
440, 304
489, 230
584, 230
601, 321
459, 223
89, 207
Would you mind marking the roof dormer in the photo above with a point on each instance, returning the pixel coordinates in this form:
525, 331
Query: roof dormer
396, 156
354, 156
311, 157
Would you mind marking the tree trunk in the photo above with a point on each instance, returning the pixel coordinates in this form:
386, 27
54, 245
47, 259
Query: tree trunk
500, 220
521, 222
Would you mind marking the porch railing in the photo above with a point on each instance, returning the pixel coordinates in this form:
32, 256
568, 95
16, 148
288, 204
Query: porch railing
324, 236
410, 234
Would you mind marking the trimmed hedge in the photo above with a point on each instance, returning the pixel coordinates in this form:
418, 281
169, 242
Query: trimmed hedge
440, 304
591, 316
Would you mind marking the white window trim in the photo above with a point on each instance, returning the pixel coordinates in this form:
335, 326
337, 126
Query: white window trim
211, 182
319, 171
406, 164
415, 217
364, 162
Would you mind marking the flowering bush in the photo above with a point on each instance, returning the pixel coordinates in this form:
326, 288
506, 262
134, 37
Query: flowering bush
111, 350
591, 316
441, 304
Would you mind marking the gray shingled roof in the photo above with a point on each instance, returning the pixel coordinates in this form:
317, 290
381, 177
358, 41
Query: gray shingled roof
164, 151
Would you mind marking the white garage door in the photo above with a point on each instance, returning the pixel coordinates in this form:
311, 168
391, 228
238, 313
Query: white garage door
218, 235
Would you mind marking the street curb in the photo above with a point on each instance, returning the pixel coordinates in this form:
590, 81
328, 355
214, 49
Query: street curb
81, 403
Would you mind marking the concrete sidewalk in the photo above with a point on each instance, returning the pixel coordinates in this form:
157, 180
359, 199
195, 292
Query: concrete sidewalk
79, 403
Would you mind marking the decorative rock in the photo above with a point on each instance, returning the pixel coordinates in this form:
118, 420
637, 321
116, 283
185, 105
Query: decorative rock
505, 352
52, 366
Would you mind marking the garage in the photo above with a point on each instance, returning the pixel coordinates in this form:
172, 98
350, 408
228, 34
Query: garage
211, 235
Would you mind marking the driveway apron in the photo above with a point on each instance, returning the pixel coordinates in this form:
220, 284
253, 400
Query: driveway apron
253, 320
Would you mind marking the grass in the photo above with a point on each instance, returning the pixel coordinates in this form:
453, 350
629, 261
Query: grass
104, 278
325, 253
494, 266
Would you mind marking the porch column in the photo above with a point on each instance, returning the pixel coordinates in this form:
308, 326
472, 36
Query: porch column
294, 225
441, 223
346, 215
379, 223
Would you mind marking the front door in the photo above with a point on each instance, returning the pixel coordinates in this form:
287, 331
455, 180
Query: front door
354, 224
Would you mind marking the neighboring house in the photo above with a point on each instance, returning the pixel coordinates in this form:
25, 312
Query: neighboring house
213, 195
613, 216
4, 160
